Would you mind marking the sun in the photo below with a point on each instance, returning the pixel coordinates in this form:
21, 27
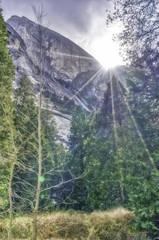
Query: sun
106, 51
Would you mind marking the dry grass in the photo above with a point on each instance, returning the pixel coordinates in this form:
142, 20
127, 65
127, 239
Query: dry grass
109, 225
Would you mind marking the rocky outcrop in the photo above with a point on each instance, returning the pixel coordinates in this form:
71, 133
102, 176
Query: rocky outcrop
71, 76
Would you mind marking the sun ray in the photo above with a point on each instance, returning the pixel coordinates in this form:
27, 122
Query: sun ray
113, 110
74, 56
151, 161
75, 95
118, 168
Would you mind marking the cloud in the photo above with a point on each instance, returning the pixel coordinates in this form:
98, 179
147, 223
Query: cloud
80, 20
77, 14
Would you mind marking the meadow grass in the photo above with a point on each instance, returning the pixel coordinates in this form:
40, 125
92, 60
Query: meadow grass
115, 224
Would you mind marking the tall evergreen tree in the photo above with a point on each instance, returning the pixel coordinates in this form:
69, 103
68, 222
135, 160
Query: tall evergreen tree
7, 131
6, 79
80, 130
26, 122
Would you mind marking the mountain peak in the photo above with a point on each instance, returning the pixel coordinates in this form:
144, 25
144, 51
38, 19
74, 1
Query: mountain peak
66, 70
16, 17
71, 76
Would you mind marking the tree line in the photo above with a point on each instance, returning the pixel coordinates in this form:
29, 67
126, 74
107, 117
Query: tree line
121, 164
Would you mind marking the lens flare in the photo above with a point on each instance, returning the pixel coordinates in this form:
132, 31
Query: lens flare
42, 179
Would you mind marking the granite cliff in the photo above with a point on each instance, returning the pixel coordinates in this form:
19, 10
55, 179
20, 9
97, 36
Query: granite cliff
71, 76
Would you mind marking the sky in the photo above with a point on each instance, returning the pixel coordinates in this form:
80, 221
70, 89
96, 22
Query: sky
82, 21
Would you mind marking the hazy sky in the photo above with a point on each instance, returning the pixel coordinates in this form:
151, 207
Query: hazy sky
82, 21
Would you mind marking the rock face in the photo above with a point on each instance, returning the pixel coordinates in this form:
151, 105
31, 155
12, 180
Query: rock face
70, 75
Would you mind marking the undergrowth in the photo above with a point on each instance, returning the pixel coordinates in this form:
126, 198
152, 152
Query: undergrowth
110, 225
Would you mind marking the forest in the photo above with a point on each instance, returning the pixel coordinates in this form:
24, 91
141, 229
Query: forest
112, 159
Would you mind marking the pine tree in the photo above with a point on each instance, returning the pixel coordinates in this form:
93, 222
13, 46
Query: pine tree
26, 122
26, 125
8, 149
6, 79
79, 132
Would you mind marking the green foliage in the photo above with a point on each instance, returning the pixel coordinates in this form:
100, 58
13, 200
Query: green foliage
6, 113
26, 122
144, 202
26, 125
6, 78
79, 131
117, 159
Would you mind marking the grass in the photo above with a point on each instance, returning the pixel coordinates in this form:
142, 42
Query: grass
110, 225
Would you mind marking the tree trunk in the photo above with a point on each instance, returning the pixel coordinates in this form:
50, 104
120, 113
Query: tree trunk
10, 186
35, 213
